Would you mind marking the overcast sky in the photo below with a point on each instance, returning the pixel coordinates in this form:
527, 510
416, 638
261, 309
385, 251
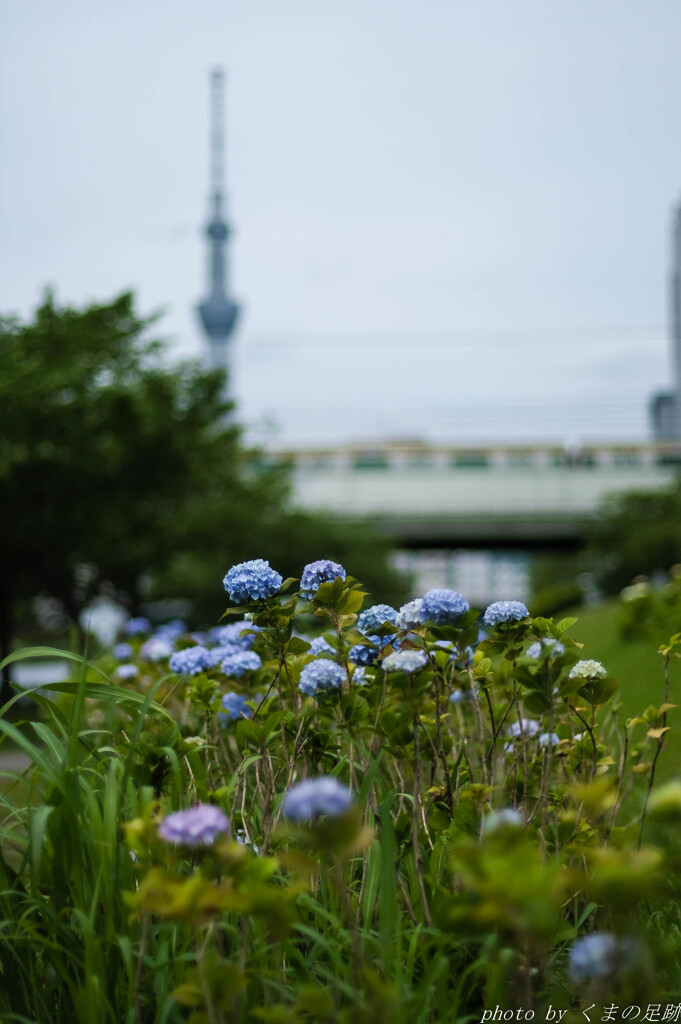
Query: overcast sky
451, 217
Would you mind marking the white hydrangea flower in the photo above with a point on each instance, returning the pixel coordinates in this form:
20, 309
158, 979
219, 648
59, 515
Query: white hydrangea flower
588, 669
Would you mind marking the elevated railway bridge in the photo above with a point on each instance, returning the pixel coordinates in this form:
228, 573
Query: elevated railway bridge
470, 514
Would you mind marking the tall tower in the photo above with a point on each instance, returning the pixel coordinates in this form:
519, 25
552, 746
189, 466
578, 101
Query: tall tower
218, 312
666, 407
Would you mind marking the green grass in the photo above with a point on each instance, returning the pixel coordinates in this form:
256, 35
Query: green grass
635, 662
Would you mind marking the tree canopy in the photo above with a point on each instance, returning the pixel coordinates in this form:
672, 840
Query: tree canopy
112, 460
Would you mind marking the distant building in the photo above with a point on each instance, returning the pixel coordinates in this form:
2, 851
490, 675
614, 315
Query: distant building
218, 312
665, 408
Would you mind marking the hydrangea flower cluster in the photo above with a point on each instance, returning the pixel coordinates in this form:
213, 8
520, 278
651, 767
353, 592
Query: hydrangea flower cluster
547, 738
231, 634
190, 661
127, 671
505, 611
602, 955
316, 573
122, 652
363, 655
252, 581
314, 797
319, 675
137, 626
359, 676
172, 630
375, 617
237, 663
588, 670
529, 728
409, 662
199, 826
320, 646
460, 696
548, 643
234, 706
409, 615
443, 607
156, 648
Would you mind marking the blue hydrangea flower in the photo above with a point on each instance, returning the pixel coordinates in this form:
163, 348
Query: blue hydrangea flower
443, 607
359, 676
363, 655
234, 706
409, 615
239, 662
460, 696
409, 662
231, 634
375, 617
505, 611
314, 797
156, 648
547, 738
172, 630
319, 675
190, 661
199, 826
122, 652
600, 955
320, 572
554, 647
320, 646
127, 671
137, 626
252, 581
529, 728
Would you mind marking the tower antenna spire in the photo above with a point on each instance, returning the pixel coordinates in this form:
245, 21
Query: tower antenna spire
218, 312
217, 131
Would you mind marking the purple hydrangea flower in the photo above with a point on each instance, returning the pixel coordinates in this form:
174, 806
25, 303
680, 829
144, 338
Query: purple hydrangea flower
252, 581
375, 617
505, 611
137, 626
409, 662
314, 797
320, 646
237, 663
122, 652
190, 661
443, 607
319, 675
320, 572
234, 706
127, 671
409, 615
199, 826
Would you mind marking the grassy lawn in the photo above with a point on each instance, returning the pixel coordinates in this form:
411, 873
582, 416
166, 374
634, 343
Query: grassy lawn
639, 668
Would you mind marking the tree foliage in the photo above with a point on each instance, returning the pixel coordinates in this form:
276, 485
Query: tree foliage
637, 533
113, 461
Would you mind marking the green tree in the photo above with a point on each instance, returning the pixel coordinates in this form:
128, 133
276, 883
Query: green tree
113, 461
637, 533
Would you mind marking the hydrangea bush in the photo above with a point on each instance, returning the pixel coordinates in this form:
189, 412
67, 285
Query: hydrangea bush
392, 816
